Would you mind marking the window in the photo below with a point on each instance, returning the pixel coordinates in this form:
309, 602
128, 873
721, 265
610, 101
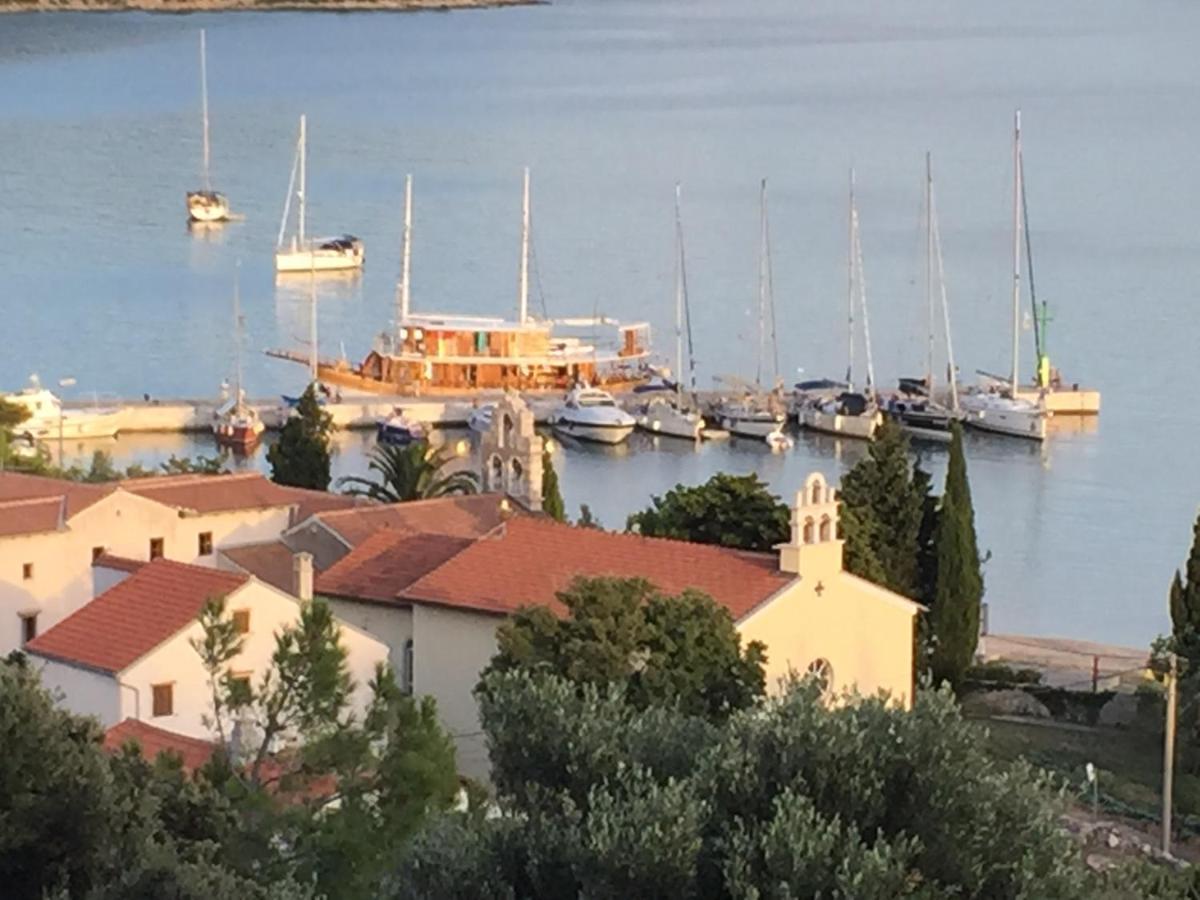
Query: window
204, 543
27, 572
156, 548
164, 699
821, 671
97, 552
241, 621
406, 672
28, 628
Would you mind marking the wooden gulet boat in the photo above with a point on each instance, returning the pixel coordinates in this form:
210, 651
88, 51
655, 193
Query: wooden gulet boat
439, 354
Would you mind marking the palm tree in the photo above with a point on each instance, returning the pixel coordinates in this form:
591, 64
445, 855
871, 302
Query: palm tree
416, 471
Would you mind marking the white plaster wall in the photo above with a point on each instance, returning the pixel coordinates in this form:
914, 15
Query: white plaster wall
123, 524
83, 691
451, 647
393, 625
176, 662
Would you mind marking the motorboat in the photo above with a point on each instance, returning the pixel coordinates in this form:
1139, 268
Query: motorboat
398, 430
666, 415
236, 425
1001, 413
748, 418
591, 414
304, 254
48, 419
780, 441
850, 414
480, 419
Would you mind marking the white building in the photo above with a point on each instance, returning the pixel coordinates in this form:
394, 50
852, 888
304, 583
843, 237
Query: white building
127, 654
52, 530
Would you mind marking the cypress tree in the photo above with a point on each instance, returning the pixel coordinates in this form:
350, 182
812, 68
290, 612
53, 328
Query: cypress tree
1185, 604
552, 499
958, 581
884, 502
300, 458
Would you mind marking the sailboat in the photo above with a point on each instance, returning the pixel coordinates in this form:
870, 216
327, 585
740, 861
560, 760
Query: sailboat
206, 205
754, 414
304, 254
914, 408
236, 425
668, 413
847, 413
1049, 388
997, 406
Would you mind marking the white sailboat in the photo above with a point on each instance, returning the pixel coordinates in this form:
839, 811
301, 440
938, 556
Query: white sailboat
753, 414
848, 413
206, 205
302, 253
997, 407
915, 408
236, 424
668, 413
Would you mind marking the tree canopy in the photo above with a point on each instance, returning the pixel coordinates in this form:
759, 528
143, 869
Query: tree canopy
301, 456
681, 650
415, 471
552, 498
736, 511
601, 798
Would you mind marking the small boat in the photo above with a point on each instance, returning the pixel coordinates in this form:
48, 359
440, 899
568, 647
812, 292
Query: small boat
591, 414
235, 424
303, 254
206, 205
779, 441
399, 430
480, 419
665, 415
48, 419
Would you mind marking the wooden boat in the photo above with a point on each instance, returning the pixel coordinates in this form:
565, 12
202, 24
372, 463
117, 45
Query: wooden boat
439, 354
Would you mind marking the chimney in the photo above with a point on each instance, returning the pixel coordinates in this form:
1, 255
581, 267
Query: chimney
302, 576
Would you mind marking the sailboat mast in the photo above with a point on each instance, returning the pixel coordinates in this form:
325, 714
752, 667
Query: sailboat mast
204, 105
313, 368
929, 270
237, 331
303, 172
951, 374
523, 288
762, 281
1016, 310
862, 297
686, 322
678, 292
850, 289
405, 254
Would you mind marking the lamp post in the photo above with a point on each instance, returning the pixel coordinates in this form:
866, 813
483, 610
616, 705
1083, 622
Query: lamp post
62, 383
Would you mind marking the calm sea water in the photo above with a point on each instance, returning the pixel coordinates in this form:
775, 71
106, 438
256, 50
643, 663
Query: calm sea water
610, 102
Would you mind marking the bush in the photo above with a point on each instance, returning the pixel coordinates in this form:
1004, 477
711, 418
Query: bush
1002, 673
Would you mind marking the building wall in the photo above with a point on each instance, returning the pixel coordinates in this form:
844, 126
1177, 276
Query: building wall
82, 691
867, 639
451, 648
393, 625
123, 524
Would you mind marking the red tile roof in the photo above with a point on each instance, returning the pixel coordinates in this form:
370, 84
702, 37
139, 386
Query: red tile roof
120, 563
32, 503
465, 517
230, 492
134, 616
270, 561
152, 741
386, 563
528, 560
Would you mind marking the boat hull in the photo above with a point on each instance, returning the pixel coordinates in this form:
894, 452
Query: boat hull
317, 261
671, 423
75, 426
751, 428
239, 438
594, 432
859, 427
207, 206
1027, 424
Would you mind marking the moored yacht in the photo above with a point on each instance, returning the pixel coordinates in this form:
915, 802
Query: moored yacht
399, 430
591, 414
849, 414
1002, 413
236, 425
49, 419
665, 415
914, 411
207, 205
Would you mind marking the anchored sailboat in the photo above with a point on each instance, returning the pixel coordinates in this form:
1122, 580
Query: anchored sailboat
998, 406
847, 413
206, 205
915, 408
304, 254
236, 425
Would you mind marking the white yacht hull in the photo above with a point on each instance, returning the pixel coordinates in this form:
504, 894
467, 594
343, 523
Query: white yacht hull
666, 420
211, 211
859, 427
1028, 424
316, 261
595, 432
753, 428
75, 425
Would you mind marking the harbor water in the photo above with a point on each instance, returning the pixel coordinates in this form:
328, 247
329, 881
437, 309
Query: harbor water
610, 102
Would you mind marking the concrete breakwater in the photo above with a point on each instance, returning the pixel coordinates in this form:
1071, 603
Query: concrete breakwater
190, 6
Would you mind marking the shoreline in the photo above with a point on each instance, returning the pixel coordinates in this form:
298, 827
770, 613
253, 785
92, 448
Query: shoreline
185, 7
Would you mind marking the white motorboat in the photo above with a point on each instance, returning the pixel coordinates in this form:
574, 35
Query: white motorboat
206, 205
591, 414
480, 419
48, 419
664, 415
779, 441
304, 254
1000, 413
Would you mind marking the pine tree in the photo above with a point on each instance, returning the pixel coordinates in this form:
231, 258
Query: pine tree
552, 499
958, 582
300, 458
883, 508
1185, 604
